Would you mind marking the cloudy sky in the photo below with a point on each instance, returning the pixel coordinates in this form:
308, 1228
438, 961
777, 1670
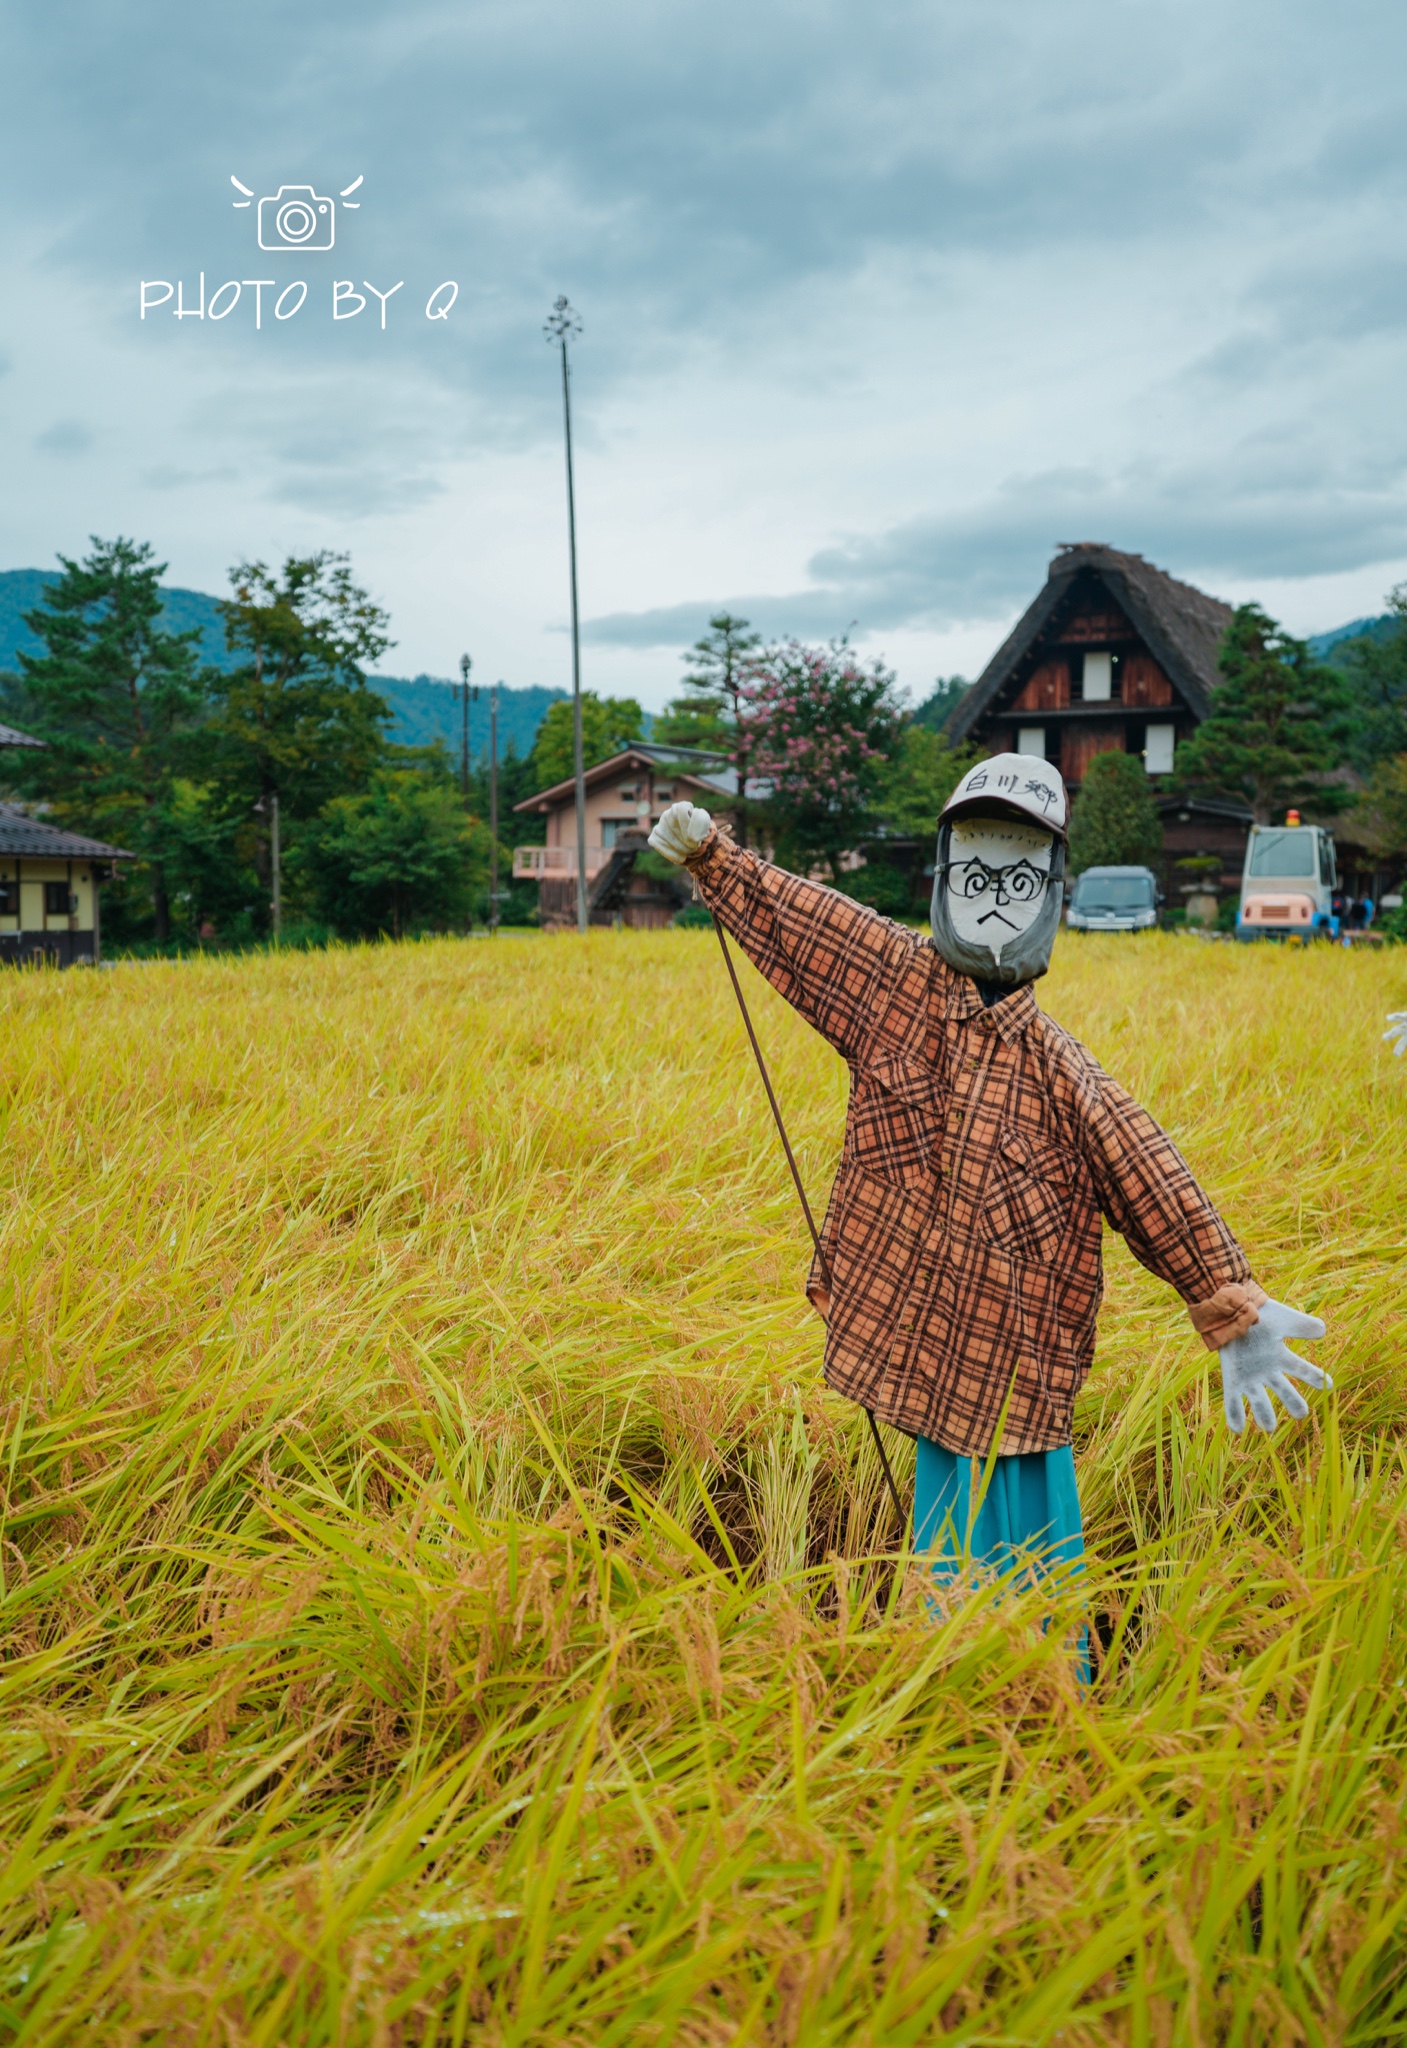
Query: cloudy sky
881, 301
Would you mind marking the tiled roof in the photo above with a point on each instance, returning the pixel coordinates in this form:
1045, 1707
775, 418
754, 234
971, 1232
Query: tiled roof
19, 833
692, 763
10, 737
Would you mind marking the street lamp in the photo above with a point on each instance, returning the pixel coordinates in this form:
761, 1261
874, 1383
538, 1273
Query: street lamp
562, 326
465, 664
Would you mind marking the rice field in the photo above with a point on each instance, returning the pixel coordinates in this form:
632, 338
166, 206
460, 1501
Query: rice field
442, 1604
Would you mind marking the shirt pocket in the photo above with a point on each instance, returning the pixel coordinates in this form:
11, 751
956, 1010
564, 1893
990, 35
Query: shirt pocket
1025, 1197
894, 1122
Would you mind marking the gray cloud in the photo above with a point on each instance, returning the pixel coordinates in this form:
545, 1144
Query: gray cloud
1266, 519
65, 437
784, 204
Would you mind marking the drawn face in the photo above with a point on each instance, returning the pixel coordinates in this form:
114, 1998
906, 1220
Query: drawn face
997, 880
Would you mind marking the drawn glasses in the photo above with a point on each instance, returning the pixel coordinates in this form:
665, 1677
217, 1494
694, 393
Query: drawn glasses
1020, 882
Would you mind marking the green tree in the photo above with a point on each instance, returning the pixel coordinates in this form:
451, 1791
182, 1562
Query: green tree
607, 725
517, 779
914, 784
710, 713
938, 707
296, 719
707, 715
117, 701
918, 779
1278, 723
818, 729
1114, 822
1380, 815
402, 856
1375, 670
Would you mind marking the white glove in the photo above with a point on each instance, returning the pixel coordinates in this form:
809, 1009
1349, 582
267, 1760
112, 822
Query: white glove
681, 831
1261, 1361
1397, 1029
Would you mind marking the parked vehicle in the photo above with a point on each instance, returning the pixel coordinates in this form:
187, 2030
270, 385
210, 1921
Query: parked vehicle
1289, 883
1114, 900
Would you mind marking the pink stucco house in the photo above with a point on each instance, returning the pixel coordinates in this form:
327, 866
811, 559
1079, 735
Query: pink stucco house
624, 798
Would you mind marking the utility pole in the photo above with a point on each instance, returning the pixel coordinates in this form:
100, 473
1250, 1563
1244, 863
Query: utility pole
275, 862
560, 327
465, 664
493, 809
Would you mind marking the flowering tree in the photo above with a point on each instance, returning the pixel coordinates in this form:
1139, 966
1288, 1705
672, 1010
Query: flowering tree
816, 727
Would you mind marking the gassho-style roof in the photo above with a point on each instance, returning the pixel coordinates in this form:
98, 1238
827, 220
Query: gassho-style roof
19, 833
1181, 626
11, 737
692, 764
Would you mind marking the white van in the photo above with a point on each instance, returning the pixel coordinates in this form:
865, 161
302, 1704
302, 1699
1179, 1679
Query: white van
1288, 883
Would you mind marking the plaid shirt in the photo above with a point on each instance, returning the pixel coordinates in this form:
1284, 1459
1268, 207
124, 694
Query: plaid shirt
962, 1237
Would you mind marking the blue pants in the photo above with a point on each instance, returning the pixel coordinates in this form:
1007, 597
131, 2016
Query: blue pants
1031, 1510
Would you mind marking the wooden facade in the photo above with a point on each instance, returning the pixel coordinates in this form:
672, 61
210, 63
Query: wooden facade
1113, 656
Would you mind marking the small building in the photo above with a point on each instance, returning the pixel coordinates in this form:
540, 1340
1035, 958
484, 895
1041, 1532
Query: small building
1113, 655
625, 797
49, 884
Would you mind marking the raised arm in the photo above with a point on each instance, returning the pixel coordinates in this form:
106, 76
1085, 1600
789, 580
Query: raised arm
1148, 1194
828, 955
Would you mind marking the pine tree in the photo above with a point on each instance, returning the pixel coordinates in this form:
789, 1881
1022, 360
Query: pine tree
708, 714
116, 700
1279, 723
1114, 822
296, 718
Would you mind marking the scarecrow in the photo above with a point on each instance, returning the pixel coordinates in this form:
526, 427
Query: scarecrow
958, 1269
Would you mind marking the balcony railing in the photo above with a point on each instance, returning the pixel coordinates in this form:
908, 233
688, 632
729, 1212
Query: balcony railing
555, 863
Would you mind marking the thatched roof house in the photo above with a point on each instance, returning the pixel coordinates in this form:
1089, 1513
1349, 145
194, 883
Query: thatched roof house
10, 736
1112, 655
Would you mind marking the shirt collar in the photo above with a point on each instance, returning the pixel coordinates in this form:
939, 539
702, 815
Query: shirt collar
1012, 1016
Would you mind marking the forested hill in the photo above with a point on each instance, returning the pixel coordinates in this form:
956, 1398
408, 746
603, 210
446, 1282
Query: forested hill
422, 707
22, 589
425, 708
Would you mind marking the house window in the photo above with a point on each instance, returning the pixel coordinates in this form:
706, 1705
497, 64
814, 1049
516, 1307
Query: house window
1099, 678
629, 793
664, 793
9, 899
611, 827
1158, 749
56, 899
1031, 740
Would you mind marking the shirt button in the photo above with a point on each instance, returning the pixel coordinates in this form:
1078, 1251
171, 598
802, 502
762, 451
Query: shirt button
954, 1119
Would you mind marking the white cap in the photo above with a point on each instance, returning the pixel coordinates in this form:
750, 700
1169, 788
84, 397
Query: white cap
1020, 785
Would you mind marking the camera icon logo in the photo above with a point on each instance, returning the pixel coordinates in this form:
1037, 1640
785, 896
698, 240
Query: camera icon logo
296, 217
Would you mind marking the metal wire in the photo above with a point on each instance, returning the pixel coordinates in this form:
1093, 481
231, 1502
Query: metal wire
801, 1197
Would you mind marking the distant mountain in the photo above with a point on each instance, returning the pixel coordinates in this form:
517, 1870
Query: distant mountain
1322, 645
423, 708
22, 589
